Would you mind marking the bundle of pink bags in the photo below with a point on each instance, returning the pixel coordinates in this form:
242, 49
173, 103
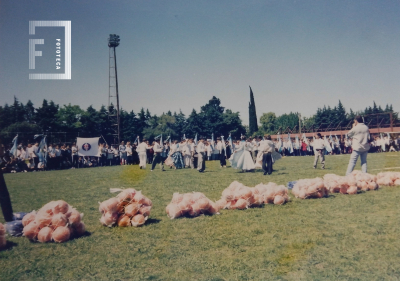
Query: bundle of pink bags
389, 178
331, 183
239, 196
352, 183
190, 204
128, 208
56, 221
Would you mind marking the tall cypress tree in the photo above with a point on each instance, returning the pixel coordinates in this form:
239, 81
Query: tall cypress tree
253, 127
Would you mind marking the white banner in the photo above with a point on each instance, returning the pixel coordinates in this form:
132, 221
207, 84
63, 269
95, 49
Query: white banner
88, 146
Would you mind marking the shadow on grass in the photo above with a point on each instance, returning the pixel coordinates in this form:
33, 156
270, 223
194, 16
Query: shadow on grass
86, 234
152, 221
9, 246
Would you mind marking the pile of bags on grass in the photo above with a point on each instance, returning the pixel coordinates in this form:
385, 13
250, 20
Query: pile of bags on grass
365, 181
239, 196
129, 208
310, 188
342, 184
388, 178
190, 204
56, 221
3, 240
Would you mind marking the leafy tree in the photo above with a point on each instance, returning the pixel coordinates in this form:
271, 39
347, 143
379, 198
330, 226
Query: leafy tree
91, 122
179, 125
267, 121
212, 118
6, 118
46, 116
69, 118
194, 125
17, 111
232, 124
160, 125
26, 132
287, 120
29, 112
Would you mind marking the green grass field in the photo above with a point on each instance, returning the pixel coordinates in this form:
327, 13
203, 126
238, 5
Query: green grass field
343, 237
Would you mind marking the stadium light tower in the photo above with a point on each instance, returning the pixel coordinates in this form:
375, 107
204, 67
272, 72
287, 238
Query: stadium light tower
113, 98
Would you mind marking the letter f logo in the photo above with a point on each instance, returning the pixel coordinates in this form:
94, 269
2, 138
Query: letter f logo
33, 53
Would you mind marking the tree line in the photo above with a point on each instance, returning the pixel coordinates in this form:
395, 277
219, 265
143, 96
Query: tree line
212, 118
74, 121
325, 118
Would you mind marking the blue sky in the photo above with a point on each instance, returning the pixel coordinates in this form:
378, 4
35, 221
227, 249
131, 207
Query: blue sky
296, 55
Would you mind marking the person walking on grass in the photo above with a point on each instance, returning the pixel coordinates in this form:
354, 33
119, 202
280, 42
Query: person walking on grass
221, 155
360, 144
158, 149
201, 154
267, 147
319, 148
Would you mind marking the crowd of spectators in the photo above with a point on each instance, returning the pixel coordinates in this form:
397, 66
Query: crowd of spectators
65, 156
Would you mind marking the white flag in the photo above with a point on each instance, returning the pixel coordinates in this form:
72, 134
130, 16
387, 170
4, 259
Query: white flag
88, 146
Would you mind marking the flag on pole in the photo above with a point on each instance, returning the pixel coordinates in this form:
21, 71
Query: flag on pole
42, 151
88, 146
279, 143
212, 140
230, 142
297, 143
195, 139
327, 145
290, 144
184, 137
13, 150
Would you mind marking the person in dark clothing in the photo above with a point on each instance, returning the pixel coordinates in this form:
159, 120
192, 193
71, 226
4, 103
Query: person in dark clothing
5, 201
267, 147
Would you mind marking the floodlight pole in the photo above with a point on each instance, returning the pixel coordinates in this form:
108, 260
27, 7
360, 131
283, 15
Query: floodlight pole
113, 113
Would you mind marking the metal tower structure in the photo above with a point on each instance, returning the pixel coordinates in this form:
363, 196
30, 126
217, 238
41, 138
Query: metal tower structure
113, 98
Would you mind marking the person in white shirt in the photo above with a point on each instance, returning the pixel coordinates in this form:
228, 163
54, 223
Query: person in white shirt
186, 153
209, 150
192, 148
110, 155
75, 157
200, 149
122, 153
360, 144
254, 151
266, 148
51, 156
129, 159
57, 157
158, 149
142, 153
319, 151
221, 152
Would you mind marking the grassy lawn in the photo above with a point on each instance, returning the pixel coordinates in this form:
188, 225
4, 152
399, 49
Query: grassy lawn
343, 237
